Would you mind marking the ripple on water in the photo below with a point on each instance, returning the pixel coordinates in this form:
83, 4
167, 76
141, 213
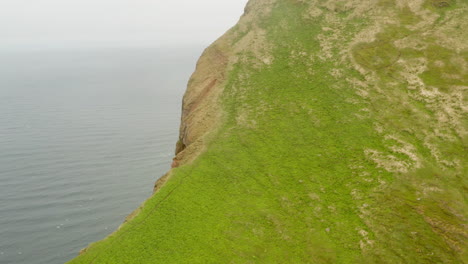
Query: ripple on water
76, 158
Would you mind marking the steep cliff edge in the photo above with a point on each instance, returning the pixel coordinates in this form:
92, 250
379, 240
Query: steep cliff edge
317, 131
202, 112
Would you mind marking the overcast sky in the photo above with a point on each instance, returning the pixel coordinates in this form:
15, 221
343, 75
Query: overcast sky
70, 23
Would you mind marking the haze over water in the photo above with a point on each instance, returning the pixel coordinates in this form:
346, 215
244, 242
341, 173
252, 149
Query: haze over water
84, 134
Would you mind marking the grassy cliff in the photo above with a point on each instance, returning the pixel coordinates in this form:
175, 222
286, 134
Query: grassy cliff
317, 131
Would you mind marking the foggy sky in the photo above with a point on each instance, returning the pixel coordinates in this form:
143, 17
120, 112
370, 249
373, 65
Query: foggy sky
70, 23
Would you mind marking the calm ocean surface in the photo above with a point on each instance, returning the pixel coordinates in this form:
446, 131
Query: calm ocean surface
83, 137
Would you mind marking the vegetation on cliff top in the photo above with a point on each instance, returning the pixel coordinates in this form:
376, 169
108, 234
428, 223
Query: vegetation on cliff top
342, 140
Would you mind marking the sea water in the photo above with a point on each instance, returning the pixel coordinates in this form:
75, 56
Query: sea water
84, 134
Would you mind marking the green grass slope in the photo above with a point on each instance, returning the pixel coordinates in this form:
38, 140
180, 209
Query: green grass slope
343, 140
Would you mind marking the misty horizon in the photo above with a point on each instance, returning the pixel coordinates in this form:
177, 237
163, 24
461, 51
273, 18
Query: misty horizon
55, 24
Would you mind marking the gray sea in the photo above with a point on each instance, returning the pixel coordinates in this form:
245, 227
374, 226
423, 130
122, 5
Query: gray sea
84, 134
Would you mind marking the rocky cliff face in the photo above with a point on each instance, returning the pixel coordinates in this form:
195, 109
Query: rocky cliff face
201, 110
317, 131
201, 106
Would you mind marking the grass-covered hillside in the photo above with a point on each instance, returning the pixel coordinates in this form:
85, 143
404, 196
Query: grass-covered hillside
317, 131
